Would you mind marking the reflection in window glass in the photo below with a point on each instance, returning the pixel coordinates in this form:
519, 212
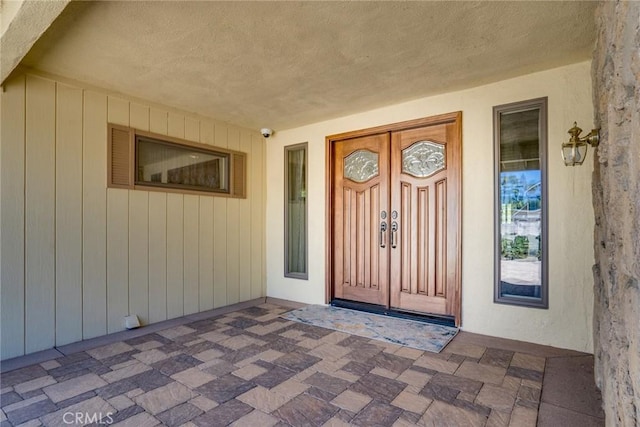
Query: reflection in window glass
159, 163
296, 211
520, 208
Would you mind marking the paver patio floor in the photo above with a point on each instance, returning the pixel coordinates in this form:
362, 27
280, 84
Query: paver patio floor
252, 368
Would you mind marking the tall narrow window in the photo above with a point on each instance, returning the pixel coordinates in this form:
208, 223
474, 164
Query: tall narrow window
520, 134
295, 211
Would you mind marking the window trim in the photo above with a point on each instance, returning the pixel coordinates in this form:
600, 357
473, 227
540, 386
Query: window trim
235, 190
542, 105
287, 273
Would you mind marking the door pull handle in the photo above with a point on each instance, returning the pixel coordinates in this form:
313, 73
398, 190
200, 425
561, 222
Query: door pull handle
394, 232
383, 234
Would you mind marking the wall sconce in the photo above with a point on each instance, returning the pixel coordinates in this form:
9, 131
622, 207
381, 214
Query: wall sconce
574, 151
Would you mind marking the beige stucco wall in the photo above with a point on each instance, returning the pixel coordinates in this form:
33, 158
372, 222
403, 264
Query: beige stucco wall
568, 321
8, 11
77, 257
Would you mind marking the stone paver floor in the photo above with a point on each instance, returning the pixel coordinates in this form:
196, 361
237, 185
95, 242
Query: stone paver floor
252, 368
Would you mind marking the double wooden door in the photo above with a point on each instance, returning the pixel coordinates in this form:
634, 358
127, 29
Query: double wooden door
395, 216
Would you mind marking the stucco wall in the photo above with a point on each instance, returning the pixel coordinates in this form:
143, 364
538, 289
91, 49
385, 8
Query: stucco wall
77, 257
8, 11
616, 190
568, 321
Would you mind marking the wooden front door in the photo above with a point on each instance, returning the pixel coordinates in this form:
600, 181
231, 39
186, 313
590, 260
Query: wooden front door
395, 216
425, 164
361, 195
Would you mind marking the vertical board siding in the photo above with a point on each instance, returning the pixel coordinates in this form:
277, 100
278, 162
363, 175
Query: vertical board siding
139, 238
219, 252
40, 132
68, 215
82, 257
205, 261
158, 122
157, 257
12, 218
207, 224
192, 129
176, 291
233, 233
175, 255
118, 296
175, 125
244, 233
256, 162
220, 232
117, 258
139, 243
118, 111
206, 133
139, 116
191, 244
139, 255
94, 215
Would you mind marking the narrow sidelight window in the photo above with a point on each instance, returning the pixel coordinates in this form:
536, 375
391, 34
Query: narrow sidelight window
295, 212
520, 143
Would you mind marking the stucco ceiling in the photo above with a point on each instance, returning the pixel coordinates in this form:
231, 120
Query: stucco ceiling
285, 64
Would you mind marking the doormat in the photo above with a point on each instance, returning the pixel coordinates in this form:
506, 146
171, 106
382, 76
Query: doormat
409, 333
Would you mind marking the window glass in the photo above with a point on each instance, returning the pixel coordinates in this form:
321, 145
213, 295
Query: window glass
296, 211
520, 146
160, 163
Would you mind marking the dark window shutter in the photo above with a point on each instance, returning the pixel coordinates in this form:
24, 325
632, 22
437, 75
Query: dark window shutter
120, 157
239, 167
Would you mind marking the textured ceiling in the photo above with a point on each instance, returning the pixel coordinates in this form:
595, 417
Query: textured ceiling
285, 64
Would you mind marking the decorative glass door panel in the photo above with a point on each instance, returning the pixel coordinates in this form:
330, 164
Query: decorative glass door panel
361, 165
423, 159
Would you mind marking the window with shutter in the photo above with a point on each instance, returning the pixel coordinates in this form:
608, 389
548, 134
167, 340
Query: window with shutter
142, 160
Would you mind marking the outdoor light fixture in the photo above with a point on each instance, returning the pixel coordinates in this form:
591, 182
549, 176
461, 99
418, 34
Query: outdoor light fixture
574, 151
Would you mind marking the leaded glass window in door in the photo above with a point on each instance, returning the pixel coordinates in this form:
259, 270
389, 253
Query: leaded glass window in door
360, 166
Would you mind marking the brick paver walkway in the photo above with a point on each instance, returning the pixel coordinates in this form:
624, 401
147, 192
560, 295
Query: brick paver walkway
253, 368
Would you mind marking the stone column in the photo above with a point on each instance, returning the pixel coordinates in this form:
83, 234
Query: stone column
616, 199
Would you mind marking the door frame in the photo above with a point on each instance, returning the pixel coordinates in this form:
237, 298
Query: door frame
455, 117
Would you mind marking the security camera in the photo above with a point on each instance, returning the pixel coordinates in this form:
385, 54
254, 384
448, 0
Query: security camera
266, 132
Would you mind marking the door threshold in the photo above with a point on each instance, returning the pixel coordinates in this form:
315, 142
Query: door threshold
401, 314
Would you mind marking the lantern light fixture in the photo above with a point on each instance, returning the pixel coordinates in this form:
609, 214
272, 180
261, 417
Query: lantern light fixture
575, 151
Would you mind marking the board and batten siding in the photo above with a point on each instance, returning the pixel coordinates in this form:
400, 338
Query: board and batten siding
76, 257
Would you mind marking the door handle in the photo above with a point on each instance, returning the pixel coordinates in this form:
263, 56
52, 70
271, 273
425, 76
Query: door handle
394, 232
383, 234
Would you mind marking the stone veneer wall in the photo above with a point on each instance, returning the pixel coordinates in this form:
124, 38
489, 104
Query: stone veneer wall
616, 199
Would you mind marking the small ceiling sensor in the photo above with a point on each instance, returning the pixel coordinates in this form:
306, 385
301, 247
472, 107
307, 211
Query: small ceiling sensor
266, 132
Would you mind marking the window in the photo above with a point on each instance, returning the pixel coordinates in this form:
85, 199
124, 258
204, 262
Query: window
520, 141
154, 162
295, 211
165, 164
